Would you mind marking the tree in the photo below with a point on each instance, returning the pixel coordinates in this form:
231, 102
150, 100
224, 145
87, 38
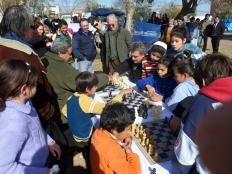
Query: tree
4, 4
170, 9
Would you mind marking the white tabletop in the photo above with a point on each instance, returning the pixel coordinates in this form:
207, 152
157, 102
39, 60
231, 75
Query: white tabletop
161, 168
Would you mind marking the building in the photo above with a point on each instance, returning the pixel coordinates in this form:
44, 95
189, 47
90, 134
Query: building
51, 10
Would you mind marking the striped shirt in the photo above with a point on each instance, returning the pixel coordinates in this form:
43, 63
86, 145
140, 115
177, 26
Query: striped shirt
149, 67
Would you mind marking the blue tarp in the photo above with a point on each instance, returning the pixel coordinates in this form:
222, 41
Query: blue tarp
105, 12
228, 24
146, 32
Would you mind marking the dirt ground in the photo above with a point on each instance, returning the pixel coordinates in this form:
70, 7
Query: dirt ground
79, 165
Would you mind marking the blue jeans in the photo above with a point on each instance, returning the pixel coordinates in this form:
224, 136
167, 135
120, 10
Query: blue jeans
85, 65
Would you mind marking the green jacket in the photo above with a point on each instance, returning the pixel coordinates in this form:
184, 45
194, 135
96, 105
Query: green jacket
61, 76
124, 42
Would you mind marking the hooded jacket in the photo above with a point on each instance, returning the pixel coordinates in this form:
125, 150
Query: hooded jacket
208, 99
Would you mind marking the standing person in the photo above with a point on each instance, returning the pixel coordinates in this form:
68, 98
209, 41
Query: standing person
25, 146
99, 35
62, 32
204, 30
83, 47
16, 32
166, 37
118, 43
55, 23
218, 30
181, 26
193, 31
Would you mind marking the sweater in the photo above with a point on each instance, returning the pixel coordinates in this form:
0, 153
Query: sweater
24, 148
207, 100
134, 70
78, 110
149, 67
163, 86
83, 46
107, 156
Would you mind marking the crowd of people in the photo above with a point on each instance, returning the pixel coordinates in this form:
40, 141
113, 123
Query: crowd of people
47, 84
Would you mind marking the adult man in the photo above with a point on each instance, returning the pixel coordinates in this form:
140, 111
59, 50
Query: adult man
83, 47
205, 30
217, 32
118, 42
16, 32
61, 75
133, 65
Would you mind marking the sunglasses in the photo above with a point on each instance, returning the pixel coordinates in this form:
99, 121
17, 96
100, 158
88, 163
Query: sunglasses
111, 25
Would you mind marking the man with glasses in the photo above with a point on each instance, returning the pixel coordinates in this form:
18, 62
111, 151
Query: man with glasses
83, 47
118, 43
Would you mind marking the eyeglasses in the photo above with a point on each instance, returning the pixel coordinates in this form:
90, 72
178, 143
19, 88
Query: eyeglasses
111, 25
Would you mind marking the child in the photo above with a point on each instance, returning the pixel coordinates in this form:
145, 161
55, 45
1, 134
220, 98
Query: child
162, 85
183, 74
81, 106
179, 45
110, 150
213, 75
25, 146
62, 32
150, 62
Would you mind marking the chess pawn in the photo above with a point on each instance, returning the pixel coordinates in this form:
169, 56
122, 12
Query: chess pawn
144, 140
136, 112
156, 156
151, 150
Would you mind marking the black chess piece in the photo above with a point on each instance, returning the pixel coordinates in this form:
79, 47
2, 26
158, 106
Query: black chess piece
124, 98
153, 171
110, 94
142, 111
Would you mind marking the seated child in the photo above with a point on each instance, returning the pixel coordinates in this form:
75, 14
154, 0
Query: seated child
183, 74
133, 65
213, 75
24, 144
110, 149
150, 62
81, 106
159, 86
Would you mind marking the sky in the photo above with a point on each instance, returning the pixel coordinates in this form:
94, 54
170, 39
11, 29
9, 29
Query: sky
201, 10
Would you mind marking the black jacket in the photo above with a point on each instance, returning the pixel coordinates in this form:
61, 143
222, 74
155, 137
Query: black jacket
218, 31
134, 70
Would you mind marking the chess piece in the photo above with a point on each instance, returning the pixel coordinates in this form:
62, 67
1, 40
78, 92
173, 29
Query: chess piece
153, 171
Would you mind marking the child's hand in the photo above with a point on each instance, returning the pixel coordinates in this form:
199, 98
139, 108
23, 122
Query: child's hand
125, 91
175, 123
127, 144
156, 97
114, 78
150, 90
55, 149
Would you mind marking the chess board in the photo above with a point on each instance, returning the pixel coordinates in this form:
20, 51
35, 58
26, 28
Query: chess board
111, 91
162, 139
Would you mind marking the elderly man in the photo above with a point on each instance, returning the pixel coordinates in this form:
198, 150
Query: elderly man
118, 43
61, 75
16, 32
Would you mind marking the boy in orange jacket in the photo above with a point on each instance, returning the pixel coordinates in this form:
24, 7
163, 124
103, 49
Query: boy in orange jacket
110, 150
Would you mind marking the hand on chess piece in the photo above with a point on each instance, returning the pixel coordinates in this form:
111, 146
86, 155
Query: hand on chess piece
114, 78
174, 124
150, 90
127, 144
156, 97
125, 92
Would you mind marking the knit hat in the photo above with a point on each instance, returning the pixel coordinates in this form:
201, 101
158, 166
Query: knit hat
162, 44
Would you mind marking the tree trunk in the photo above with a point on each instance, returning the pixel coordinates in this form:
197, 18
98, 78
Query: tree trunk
187, 7
130, 9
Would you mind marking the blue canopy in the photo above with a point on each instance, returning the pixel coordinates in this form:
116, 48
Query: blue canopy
105, 12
